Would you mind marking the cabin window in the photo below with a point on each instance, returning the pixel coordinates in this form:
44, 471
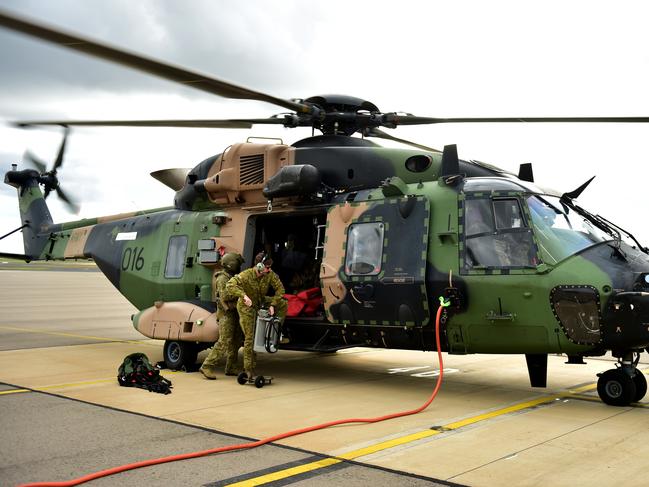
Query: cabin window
364, 249
496, 235
176, 257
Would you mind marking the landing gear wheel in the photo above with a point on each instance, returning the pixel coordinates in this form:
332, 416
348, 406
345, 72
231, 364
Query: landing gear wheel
616, 387
178, 354
640, 382
242, 378
260, 381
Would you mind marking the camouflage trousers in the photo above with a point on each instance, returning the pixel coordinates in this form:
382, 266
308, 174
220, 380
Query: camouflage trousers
247, 320
227, 347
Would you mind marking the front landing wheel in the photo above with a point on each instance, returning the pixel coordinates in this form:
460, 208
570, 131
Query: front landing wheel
616, 388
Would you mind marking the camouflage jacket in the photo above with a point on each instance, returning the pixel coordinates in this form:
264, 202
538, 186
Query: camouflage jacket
219, 293
256, 288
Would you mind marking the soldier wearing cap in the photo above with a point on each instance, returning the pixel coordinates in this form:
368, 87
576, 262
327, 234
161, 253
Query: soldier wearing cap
230, 334
251, 287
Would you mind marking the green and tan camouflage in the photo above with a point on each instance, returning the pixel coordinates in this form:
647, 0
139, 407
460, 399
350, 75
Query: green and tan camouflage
257, 287
389, 232
230, 333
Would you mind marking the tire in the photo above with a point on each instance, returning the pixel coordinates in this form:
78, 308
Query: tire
178, 354
242, 378
616, 388
640, 382
260, 381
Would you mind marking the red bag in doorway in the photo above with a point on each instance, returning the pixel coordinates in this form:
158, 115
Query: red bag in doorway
295, 305
312, 299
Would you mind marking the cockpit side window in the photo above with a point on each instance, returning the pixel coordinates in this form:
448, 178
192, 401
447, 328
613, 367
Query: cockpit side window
497, 235
508, 214
478, 217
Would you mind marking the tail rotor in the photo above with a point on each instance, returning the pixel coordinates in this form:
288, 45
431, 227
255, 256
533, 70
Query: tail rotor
49, 179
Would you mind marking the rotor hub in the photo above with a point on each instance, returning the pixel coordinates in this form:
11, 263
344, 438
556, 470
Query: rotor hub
342, 114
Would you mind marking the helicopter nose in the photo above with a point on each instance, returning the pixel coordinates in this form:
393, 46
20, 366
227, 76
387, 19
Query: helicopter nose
626, 321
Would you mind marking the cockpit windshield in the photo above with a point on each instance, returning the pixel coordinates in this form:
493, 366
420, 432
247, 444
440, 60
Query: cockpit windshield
560, 230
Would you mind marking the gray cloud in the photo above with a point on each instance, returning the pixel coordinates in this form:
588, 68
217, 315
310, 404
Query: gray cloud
207, 36
429, 58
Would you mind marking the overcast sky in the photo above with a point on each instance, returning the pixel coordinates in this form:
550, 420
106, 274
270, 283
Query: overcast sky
428, 58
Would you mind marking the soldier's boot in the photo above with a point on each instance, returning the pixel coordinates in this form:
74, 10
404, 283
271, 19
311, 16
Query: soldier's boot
208, 371
232, 371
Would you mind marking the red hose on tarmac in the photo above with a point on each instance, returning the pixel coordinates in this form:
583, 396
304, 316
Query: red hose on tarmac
270, 439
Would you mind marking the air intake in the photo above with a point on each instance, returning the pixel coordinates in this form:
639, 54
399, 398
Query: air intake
251, 170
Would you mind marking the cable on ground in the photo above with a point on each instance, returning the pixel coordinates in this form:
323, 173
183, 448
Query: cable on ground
263, 441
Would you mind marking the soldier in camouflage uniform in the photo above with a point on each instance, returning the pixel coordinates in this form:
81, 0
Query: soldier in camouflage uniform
251, 288
230, 334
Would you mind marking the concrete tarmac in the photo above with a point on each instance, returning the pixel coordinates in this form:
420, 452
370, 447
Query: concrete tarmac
65, 334
57, 438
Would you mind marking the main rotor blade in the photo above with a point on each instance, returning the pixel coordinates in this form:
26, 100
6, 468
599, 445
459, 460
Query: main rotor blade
141, 63
380, 134
396, 119
222, 124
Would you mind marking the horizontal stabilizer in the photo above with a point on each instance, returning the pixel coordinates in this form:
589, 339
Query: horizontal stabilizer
5, 255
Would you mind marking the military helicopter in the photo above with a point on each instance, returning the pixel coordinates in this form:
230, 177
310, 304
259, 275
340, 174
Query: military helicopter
375, 234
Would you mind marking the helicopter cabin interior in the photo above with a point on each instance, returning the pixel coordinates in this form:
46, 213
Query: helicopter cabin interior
295, 243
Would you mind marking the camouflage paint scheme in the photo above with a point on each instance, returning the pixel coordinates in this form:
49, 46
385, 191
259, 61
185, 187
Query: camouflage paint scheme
230, 334
256, 286
392, 232
501, 310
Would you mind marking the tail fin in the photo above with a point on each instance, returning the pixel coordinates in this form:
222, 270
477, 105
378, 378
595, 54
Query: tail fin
34, 213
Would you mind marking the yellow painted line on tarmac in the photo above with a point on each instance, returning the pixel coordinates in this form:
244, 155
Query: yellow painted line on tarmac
11, 266
289, 472
75, 384
55, 387
403, 440
72, 335
14, 391
46, 268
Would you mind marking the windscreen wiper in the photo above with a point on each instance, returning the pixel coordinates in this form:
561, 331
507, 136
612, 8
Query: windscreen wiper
601, 223
641, 247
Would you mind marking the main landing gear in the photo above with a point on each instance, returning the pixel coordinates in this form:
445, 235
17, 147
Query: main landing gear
623, 385
259, 381
178, 354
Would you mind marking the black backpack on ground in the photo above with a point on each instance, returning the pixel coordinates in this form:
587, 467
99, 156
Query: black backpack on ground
137, 371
